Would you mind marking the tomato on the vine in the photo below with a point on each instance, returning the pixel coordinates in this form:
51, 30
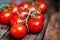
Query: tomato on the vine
43, 6
12, 6
24, 4
23, 12
37, 1
14, 19
18, 31
17, 20
32, 7
35, 26
40, 17
37, 15
5, 16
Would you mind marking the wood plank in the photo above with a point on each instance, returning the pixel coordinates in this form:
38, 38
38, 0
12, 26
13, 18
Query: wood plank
53, 29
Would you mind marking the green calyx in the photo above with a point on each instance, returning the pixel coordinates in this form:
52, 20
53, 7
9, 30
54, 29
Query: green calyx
21, 8
33, 16
2, 7
21, 15
35, 4
30, 1
36, 12
10, 6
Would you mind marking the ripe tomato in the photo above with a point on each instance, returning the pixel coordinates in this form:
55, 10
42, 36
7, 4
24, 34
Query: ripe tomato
23, 12
18, 31
37, 15
35, 26
40, 17
32, 7
5, 16
24, 4
37, 1
12, 6
17, 20
43, 6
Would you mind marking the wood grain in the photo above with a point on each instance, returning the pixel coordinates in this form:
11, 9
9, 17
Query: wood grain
53, 29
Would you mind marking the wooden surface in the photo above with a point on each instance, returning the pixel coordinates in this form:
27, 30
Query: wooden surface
53, 29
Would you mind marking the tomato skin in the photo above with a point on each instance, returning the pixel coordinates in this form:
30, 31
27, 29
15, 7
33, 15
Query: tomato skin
32, 7
25, 11
35, 26
40, 17
16, 18
24, 4
37, 0
5, 16
43, 6
14, 7
18, 31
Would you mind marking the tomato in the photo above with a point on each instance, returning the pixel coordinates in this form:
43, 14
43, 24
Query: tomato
18, 31
14, 19
32, 7
21, 17
23, 12
35, 26
27, 6
24, 4
12, 6
37, 0
43, 6
37, 15
40, 17
5, 16
17, 20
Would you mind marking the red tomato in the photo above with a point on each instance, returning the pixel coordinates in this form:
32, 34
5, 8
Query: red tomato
5, 16
28, 6
17, 20
18, 31
36, 15
32, 7
37, 0
23, 12
12, 6
24, 4
43, 6
35, 26
40, 17
14, 19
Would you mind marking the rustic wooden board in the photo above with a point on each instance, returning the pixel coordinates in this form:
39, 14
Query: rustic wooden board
53, 29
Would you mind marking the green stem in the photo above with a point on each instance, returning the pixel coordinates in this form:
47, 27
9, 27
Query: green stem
2, 7
27, 20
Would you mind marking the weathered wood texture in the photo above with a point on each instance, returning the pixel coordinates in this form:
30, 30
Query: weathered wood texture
53, 29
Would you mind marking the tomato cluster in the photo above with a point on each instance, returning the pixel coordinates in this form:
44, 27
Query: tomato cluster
23, 17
